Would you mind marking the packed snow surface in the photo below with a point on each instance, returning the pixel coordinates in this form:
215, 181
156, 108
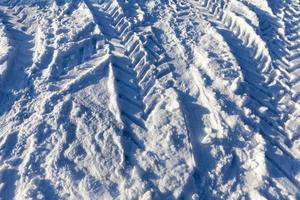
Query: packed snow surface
158, 99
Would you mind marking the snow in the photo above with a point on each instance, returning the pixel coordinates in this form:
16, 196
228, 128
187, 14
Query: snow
131, 99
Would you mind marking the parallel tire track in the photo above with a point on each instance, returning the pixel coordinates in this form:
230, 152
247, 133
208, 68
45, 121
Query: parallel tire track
242, 39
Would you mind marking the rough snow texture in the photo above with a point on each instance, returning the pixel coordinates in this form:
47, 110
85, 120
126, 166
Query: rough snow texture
160, 99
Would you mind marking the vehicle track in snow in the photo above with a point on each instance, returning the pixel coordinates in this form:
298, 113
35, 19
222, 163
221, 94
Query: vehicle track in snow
263, 82
155, 100
260, 83
140, 69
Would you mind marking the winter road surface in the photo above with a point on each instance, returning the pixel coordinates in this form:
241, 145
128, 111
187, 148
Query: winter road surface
159, 99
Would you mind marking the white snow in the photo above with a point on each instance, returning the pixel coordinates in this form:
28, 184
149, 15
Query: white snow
124, 99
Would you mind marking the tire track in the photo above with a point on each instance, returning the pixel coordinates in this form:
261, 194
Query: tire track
274, 30
293, 46
141, 70
238, 40
136, 66
173, 126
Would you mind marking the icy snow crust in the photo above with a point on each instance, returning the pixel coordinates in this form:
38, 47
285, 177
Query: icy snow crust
124, 99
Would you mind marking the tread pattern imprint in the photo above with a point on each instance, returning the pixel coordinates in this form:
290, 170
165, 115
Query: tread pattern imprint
132, 99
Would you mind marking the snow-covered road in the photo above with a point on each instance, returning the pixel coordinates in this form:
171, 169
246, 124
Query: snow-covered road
160, 99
